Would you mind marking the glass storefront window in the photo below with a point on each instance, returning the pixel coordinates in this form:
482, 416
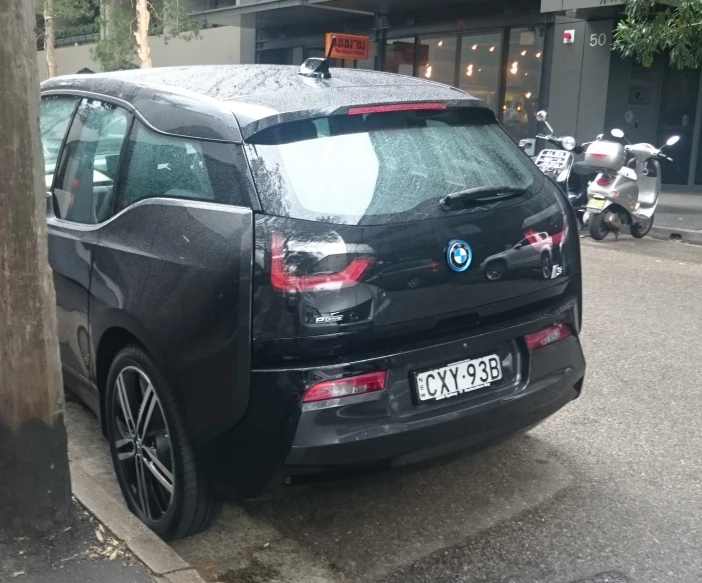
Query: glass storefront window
437, 59
522, 90
479, 72
399, 56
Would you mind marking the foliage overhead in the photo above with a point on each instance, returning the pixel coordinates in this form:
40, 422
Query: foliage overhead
652, 27
169, 19
71, 10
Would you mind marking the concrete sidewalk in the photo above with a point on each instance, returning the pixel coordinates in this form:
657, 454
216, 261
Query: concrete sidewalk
679, 216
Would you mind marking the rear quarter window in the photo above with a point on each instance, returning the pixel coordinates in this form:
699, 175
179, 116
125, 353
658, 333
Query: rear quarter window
383, 167
160, 166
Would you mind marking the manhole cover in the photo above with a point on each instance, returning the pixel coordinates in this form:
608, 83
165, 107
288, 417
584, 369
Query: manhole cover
611, 577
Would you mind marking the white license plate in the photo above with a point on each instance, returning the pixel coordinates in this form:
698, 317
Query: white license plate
596, 203
458, 378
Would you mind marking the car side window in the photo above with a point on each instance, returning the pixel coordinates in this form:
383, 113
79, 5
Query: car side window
160, 166
55, 116
84, 187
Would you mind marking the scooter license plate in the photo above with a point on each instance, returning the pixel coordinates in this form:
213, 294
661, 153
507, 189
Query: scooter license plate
596, 203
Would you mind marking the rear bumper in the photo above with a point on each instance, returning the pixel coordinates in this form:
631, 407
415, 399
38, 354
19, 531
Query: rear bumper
335, 438
280, 435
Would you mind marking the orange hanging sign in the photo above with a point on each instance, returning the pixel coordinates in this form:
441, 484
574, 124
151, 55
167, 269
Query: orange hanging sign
348, 46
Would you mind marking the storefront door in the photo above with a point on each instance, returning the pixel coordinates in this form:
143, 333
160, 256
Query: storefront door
677, 117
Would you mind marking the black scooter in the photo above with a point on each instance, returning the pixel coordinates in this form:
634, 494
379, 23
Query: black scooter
572, 177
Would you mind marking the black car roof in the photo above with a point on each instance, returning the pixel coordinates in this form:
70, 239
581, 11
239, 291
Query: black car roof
199, 101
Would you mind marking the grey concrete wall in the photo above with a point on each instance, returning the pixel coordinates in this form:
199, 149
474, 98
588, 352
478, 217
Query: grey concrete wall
225, 45
594, 80
579, 79
566, 71
560, 5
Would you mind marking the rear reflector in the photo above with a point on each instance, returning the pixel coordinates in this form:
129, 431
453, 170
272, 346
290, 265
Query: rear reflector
396, 107
282, 280
367, 383
549, 336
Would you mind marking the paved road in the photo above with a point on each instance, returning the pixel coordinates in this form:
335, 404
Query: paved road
612, 482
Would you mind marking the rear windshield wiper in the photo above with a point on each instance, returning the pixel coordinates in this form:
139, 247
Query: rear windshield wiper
481, 194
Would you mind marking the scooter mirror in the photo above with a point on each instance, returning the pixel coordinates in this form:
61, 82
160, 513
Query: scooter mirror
672, 140
541, 116
617, 133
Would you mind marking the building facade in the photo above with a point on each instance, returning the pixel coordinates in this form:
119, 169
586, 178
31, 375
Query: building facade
520, 56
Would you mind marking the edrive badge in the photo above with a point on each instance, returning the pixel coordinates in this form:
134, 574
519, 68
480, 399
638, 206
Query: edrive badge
459, 255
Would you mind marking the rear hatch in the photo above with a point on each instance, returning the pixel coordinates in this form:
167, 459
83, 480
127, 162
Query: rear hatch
386, 227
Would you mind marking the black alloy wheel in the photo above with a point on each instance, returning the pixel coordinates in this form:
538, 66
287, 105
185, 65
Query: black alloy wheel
152, 456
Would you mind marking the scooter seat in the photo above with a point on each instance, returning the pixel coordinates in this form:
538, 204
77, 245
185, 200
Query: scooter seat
583, 169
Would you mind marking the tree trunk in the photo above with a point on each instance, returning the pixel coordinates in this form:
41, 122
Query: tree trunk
142, 33
50, 37
104, 18
35, 491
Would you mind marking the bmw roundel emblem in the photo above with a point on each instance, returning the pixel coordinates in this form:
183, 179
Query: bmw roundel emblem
459, 255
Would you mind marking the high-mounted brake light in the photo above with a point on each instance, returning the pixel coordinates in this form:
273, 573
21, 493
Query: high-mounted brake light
367, 383
282, 280
548, 336
397, 107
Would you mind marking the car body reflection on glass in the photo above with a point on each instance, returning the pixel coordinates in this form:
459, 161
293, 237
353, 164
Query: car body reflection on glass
533, 253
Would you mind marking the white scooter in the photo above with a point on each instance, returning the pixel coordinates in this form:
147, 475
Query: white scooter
623, 193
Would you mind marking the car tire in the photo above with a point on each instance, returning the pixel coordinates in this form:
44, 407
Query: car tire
640, 231
153, 459
597, 227
546, 266
495, 270
415, 283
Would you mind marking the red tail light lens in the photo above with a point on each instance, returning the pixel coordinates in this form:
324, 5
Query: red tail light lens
549, 336
397, 107
597, 155
604, 181
283, 281
367, 383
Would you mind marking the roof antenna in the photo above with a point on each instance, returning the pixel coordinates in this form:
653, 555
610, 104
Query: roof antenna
316, 67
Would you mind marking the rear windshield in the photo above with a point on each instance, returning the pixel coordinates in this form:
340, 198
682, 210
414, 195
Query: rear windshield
381, 168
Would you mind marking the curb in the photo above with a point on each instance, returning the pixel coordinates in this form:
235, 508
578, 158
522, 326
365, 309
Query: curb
157, 556
670, 234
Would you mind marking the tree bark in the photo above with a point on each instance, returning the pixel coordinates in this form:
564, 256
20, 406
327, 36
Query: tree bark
35, 489
142, 33
104, 18
50, 37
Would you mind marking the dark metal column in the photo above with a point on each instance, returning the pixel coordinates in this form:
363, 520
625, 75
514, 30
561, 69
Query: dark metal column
694, 154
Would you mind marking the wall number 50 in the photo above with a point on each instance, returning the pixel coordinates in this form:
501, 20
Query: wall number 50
598, 40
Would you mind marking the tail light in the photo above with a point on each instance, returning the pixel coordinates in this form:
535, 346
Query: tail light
531, 237
604, 181
284, 281
548, 336
367, 383
397, 107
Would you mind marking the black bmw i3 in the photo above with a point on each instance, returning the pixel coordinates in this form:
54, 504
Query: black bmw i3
263, 272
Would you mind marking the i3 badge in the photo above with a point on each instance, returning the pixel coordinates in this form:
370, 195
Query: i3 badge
459, 255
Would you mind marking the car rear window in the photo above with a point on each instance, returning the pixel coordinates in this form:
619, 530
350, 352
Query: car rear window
381, 168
